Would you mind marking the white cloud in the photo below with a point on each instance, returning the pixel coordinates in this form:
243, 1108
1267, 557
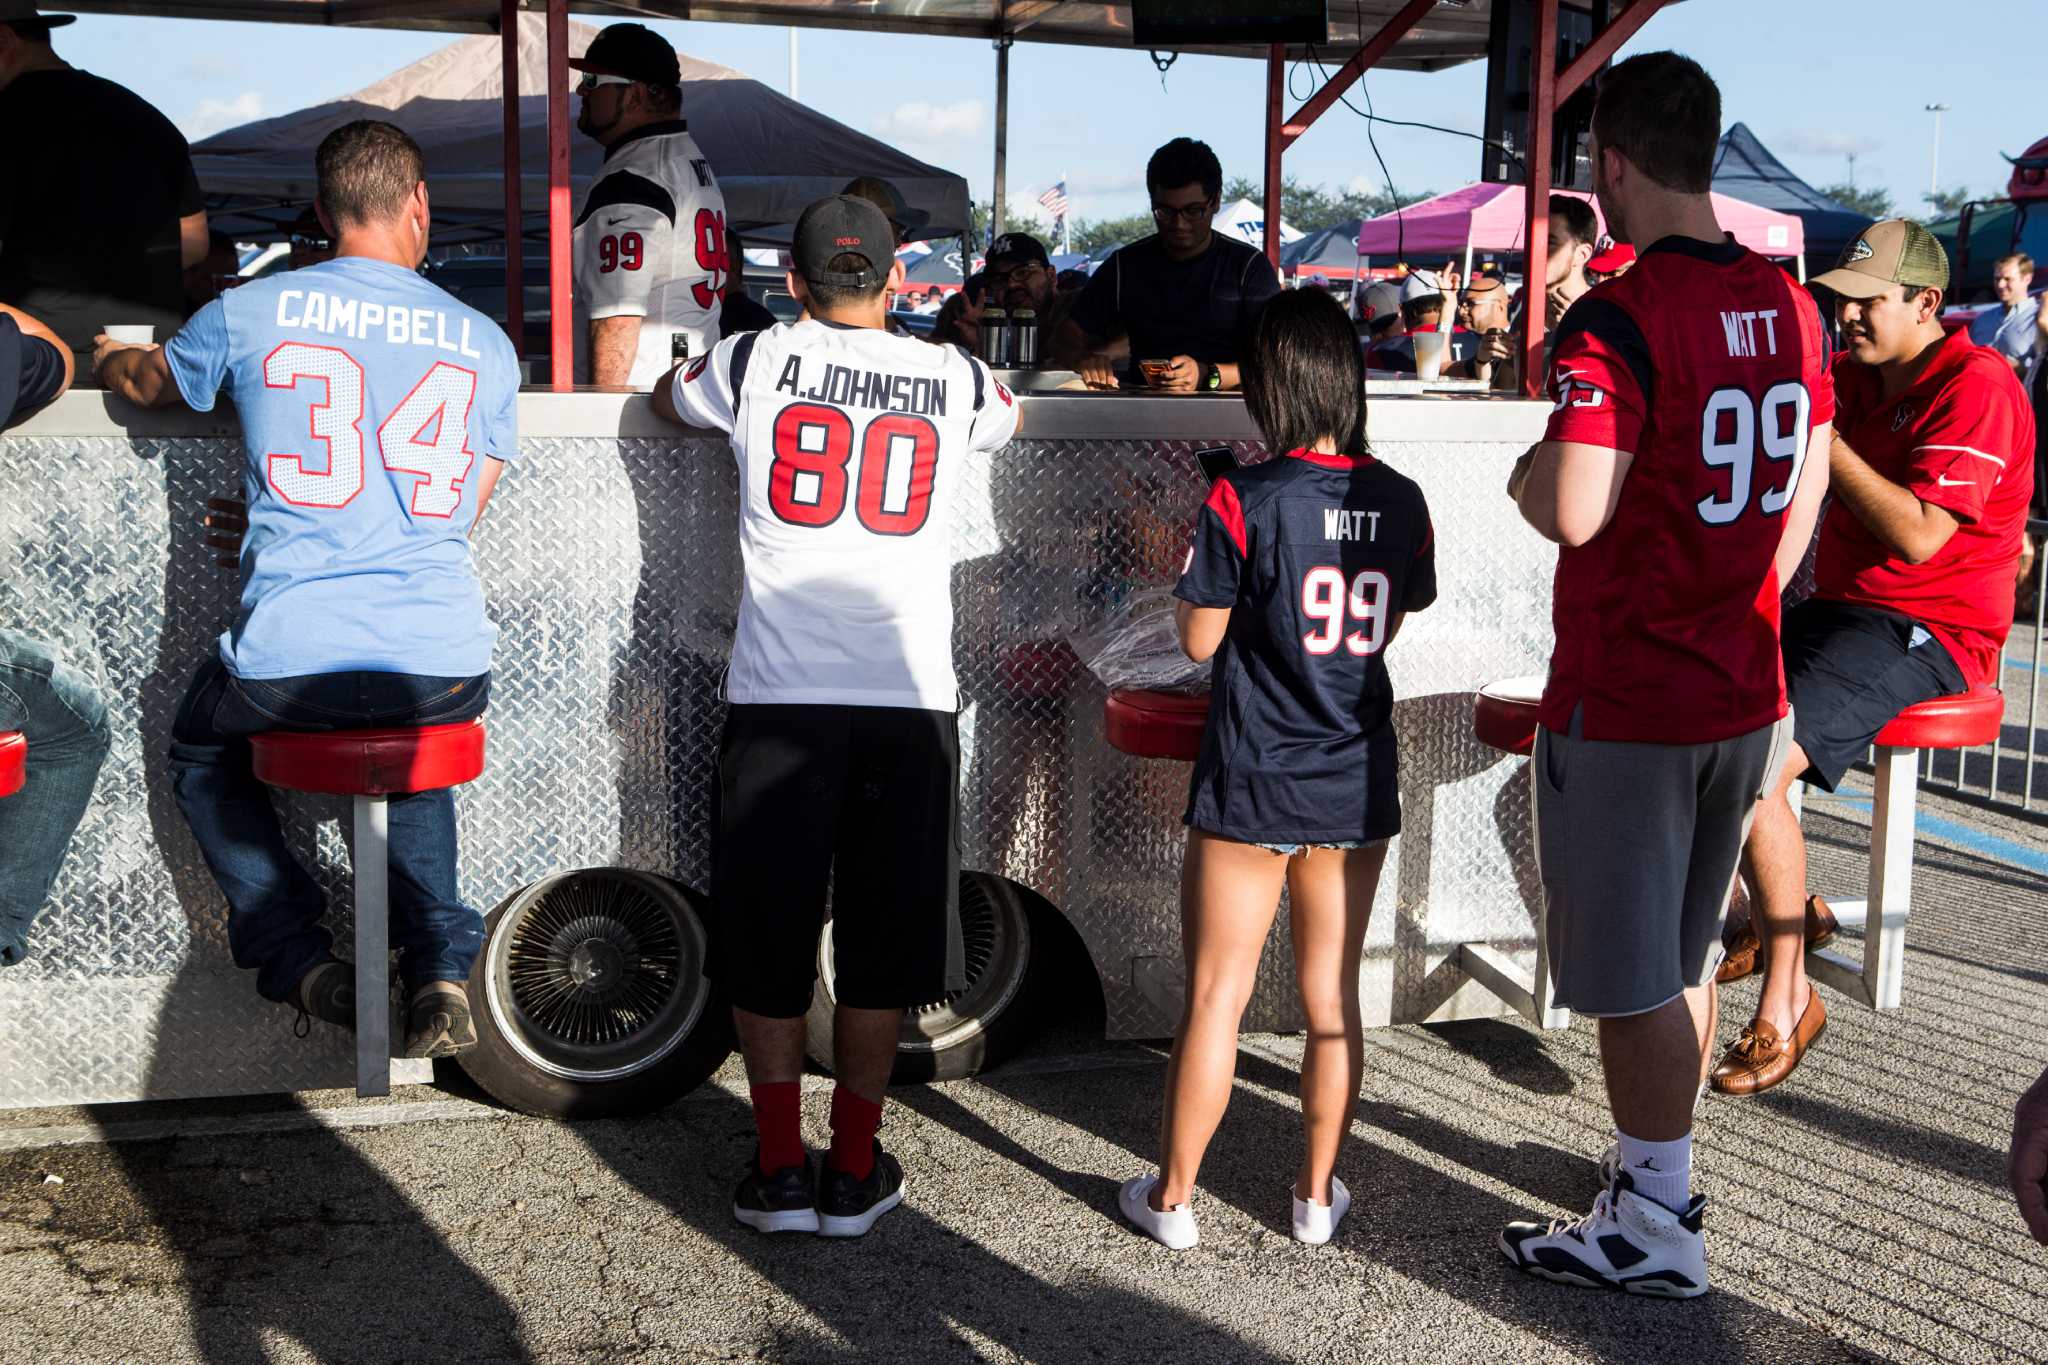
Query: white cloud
921, 121
213, 115
1085, 183
1807, 142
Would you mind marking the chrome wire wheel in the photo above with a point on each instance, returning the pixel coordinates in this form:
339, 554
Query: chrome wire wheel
598, 974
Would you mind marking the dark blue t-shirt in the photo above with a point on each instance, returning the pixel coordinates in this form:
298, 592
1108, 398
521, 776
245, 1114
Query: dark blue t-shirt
1316, 556
31, 371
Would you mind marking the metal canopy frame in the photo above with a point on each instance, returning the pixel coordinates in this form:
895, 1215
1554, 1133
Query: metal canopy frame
1549, 88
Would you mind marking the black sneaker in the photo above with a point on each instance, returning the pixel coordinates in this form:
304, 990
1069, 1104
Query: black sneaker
786, 1201
849, 1207
437, 1022
326, 993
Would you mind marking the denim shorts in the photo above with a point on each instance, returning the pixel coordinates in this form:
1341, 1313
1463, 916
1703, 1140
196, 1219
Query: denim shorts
1341, 845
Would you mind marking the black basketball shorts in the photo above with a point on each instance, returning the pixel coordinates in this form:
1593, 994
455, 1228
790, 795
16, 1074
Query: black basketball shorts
860, 800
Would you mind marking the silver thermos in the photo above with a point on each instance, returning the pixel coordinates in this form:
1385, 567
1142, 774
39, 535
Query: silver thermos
1024, 339
995, 338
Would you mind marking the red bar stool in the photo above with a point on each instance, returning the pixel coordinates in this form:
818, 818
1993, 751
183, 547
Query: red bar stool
1504, 718
13, 762
372, 765
1156, 724
1958, 722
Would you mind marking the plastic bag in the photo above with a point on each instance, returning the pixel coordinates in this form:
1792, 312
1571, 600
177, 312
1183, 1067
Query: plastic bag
1139, 647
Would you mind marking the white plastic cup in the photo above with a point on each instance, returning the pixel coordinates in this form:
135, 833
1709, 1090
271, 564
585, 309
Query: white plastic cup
1431, 349
131, 333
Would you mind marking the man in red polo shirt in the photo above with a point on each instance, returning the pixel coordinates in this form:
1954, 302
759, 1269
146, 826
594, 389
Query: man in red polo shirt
1932, 468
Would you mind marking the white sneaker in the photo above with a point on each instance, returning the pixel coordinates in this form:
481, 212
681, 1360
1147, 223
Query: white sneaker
1316, 1223
1628, 1242
1173, 1229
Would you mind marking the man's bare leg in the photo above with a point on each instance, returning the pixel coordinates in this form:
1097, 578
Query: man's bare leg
1651, 1064
1775, 858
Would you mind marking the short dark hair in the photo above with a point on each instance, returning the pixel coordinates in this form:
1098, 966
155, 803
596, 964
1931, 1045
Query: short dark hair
367, 170
1304, 377
1184, 161
1908, 292
1663, 112
666, 100
1576, 216
825, 297
1413, 309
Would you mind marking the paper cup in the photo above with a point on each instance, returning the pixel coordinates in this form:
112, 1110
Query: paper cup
130, 333
1431, 349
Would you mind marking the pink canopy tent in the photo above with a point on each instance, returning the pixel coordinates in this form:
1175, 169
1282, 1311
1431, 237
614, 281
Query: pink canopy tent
1486, 217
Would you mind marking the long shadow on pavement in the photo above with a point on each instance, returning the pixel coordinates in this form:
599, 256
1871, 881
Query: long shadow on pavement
911, 1288
307, 1241
1407, 1217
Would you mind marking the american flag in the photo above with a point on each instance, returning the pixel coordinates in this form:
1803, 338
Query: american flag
1055, 202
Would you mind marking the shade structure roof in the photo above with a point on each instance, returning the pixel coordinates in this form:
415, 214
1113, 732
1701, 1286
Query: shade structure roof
1489, 217
1450, 34
1246, 222
1745, 169
772, 154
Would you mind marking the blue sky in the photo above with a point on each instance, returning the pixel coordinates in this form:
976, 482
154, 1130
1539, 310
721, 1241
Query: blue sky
1816, 79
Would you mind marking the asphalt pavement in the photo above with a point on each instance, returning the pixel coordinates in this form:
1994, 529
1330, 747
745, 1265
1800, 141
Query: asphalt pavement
1857, 1213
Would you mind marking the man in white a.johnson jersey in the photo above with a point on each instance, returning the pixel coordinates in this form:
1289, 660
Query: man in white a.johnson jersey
377, 413
649, 243
840, 757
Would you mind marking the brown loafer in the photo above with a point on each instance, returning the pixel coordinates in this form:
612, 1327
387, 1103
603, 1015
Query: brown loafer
1761, 1057
1742, 951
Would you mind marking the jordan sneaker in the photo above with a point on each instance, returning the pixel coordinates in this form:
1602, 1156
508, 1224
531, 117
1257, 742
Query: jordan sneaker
1628, 1242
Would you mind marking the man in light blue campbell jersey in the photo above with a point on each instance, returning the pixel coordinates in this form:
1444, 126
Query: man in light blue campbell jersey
377, 414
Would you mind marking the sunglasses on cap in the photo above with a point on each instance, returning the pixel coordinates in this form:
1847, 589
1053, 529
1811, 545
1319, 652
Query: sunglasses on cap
591, 80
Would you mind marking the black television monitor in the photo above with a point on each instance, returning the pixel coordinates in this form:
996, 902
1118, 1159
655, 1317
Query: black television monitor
1199, 23
1512, 34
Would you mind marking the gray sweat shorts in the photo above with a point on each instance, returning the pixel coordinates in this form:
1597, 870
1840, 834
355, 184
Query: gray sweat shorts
1638, 845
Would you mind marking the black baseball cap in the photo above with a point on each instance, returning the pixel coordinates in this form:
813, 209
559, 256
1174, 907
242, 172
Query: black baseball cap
633, 51
1018, 246
843, 224
23, 14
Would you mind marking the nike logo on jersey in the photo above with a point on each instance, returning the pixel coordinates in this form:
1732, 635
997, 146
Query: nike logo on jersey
1946, 482
614, 222
843, 386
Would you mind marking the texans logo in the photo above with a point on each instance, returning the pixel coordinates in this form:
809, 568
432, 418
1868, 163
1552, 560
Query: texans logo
1003, 394
696, 368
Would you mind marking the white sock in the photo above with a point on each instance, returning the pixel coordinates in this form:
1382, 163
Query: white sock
1660, 1170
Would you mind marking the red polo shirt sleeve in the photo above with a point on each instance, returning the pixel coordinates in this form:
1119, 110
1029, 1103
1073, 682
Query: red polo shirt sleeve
1966, 443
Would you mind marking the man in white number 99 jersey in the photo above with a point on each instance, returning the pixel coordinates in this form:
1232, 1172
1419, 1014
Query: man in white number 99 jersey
840, 758
377, 414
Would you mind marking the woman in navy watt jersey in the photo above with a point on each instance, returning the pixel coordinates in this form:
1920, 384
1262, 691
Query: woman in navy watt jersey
1300, 573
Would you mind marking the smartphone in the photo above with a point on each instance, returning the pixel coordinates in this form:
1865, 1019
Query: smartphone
1155, 371
1216, 461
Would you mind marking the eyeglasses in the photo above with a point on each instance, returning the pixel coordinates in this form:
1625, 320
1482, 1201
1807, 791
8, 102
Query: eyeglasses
1023, 270
1187, 213
591, 80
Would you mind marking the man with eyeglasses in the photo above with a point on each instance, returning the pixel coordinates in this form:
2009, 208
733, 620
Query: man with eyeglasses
1021, 275
651, 261
1184, 298
1483, 311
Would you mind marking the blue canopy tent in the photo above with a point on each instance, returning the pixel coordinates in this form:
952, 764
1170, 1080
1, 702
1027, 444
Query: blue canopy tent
1745, 169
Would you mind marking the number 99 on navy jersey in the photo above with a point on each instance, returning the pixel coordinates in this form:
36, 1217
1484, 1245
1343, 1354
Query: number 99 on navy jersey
1317, 557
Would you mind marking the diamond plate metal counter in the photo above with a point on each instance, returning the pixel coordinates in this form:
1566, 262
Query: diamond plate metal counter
612, 568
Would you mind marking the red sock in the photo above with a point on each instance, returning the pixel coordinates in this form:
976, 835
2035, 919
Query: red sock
855, 1121
778, 1118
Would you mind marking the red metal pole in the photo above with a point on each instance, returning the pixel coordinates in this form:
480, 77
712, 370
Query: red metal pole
1536, 222
1276, 87
1361, 61
515, 262
561, 342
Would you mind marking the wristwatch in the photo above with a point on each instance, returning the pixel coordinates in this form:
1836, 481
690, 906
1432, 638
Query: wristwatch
1212, 378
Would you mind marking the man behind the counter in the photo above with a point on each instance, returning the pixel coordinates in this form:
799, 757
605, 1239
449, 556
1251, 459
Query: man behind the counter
1185, 297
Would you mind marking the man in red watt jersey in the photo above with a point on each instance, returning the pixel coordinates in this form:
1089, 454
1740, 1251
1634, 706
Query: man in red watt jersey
1681, 475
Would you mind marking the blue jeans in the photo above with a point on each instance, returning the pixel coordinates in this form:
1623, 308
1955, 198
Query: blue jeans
274, 907
66, 727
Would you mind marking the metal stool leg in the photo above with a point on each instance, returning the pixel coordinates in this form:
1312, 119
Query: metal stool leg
373, 946
1879, 980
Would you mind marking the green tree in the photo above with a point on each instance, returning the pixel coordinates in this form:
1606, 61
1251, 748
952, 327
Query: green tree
1090, 234
1861, 198
1943, 203
1314, 207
